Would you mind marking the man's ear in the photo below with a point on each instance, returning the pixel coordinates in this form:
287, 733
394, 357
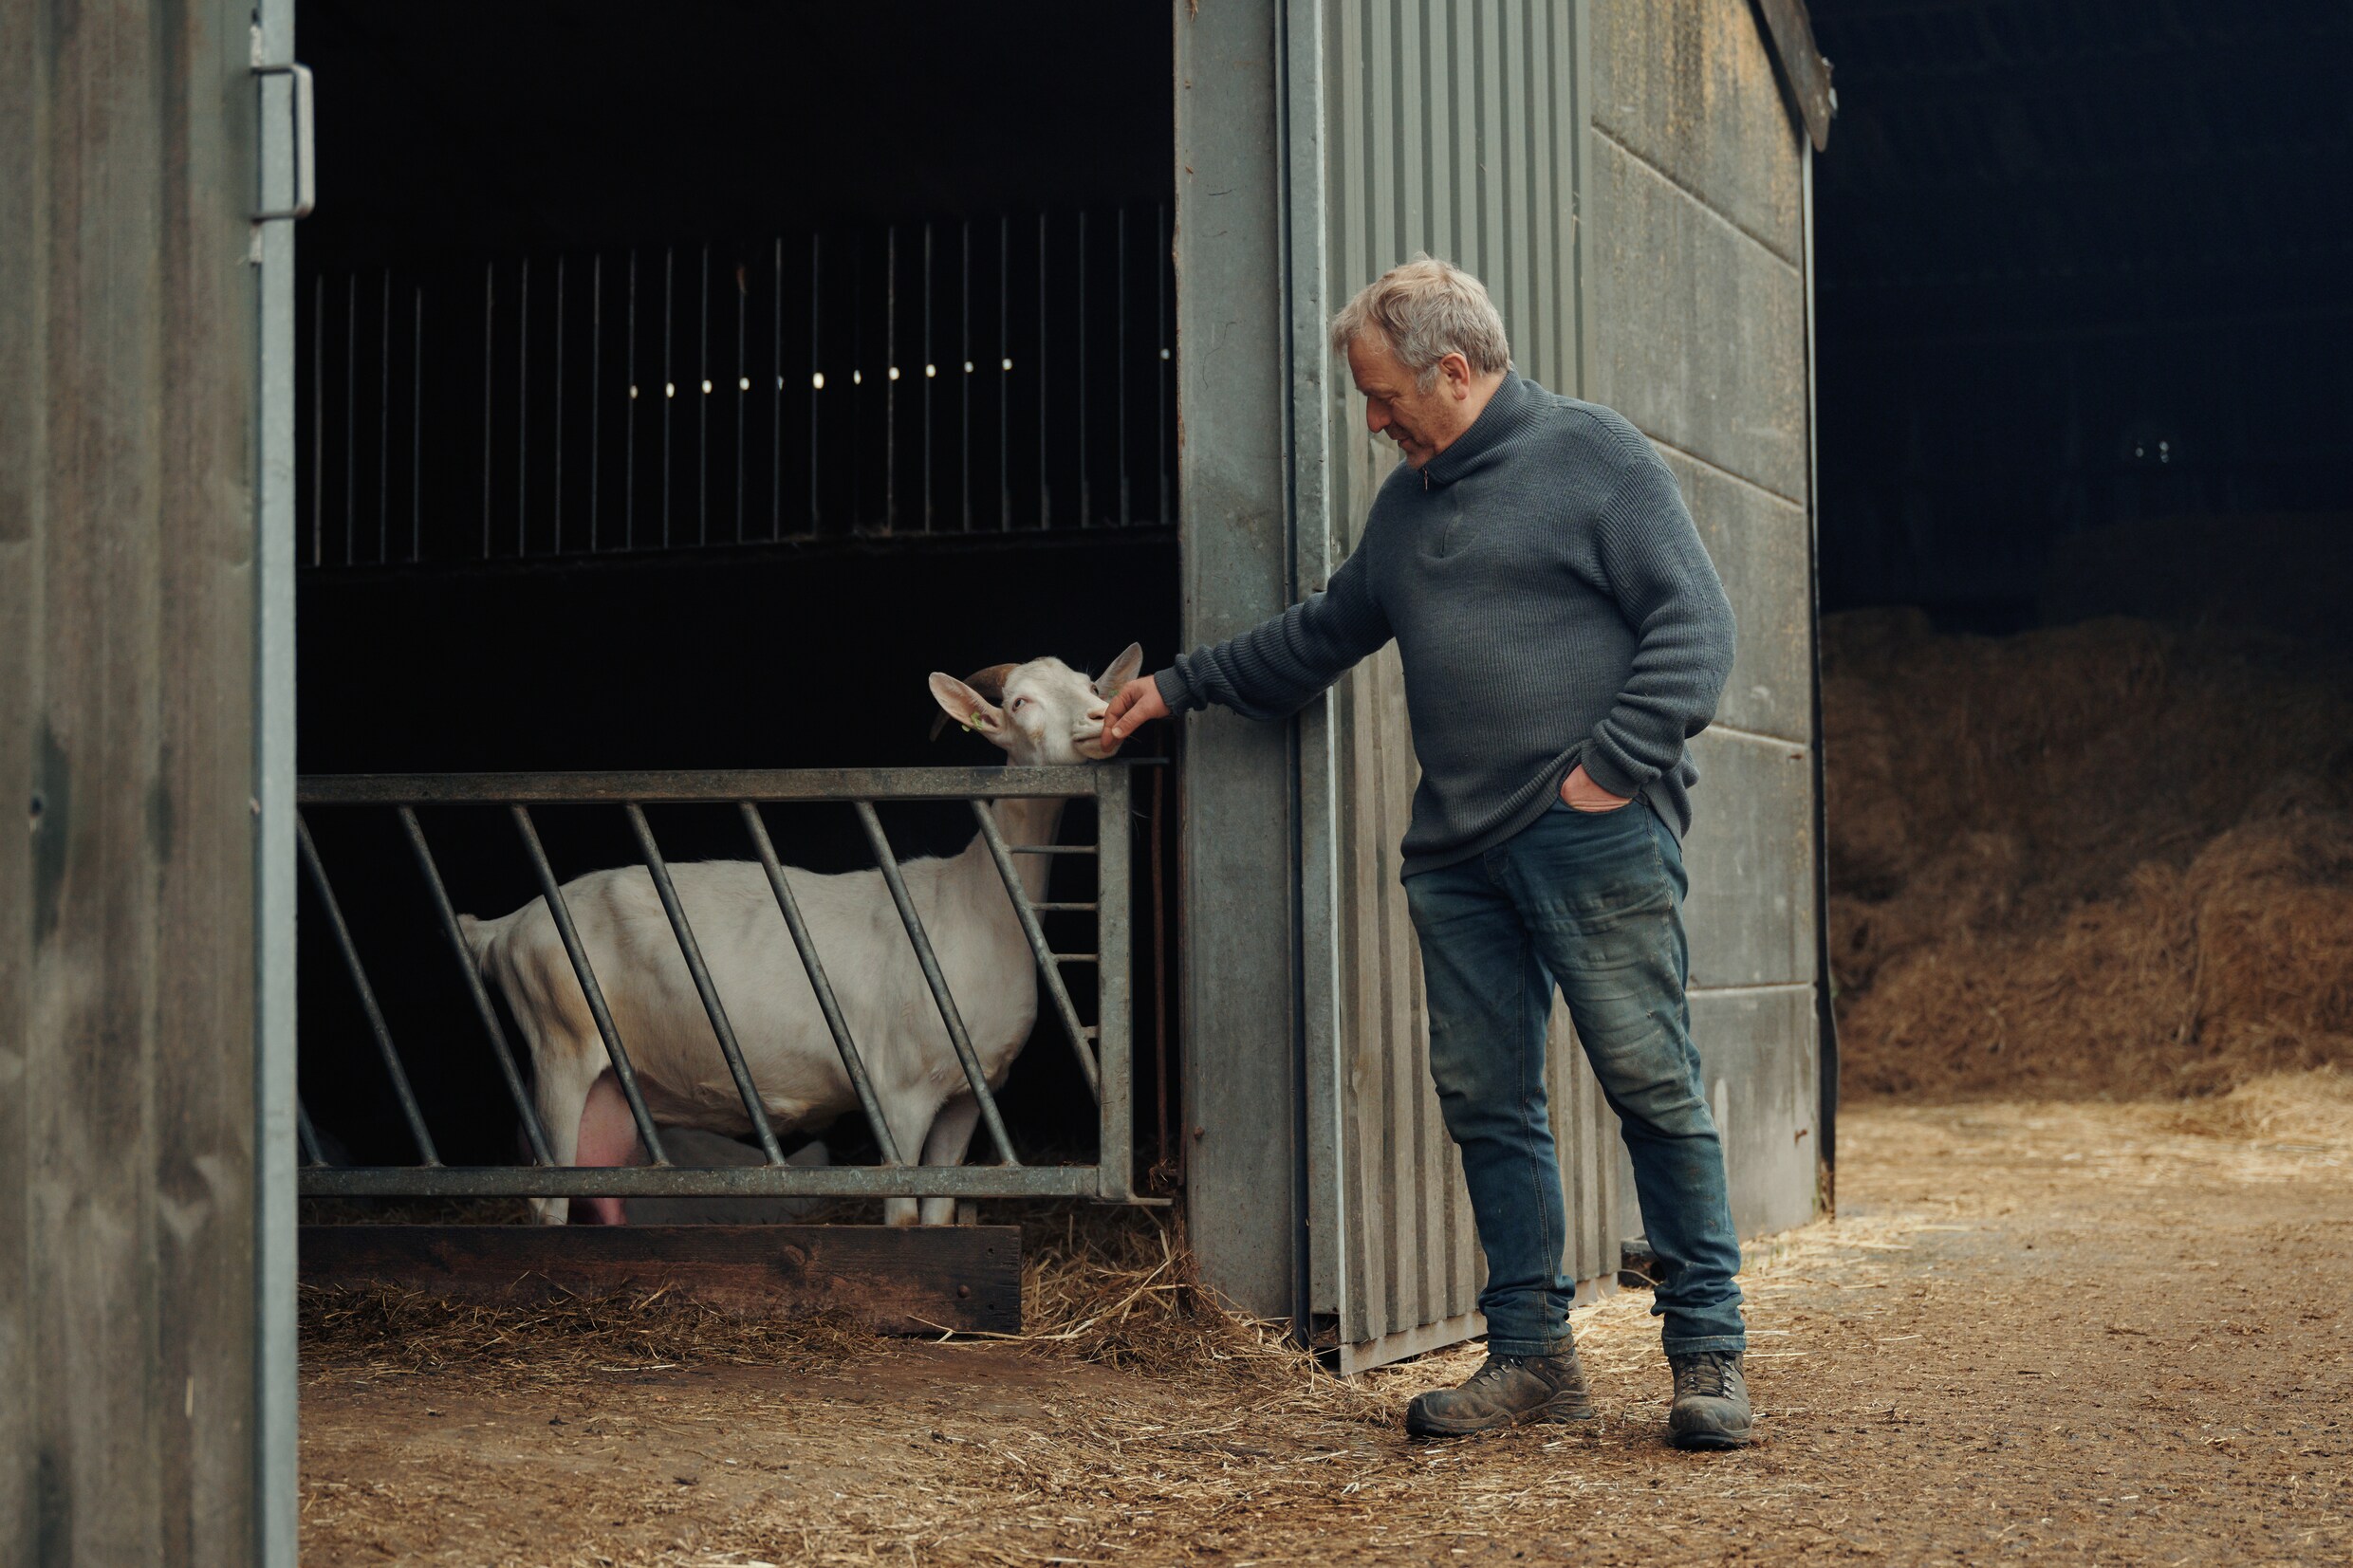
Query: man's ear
1455, 368
964, 705
1122, 670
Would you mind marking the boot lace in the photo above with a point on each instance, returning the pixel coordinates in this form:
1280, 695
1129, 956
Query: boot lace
1495, 1367
1705, 1375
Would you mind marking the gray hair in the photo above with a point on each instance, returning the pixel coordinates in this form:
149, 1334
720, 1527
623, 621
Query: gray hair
1427, 309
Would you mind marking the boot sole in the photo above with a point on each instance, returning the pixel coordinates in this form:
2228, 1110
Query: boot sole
1418, 1425
1709, 1442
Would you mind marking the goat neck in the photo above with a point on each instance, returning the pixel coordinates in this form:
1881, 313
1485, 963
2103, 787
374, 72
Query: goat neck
1030, 821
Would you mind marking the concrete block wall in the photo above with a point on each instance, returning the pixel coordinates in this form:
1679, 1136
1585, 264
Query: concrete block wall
1698, 305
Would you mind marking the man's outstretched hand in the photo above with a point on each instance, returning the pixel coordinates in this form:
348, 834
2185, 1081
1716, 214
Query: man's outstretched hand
1138, 703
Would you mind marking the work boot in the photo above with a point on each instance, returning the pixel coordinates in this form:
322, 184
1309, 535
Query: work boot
1507, 1391
1711, 1401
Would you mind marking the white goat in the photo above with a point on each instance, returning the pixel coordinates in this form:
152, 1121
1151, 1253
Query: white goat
1041, 713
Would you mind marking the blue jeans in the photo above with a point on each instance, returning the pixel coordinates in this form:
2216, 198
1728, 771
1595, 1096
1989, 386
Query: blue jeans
1592, 901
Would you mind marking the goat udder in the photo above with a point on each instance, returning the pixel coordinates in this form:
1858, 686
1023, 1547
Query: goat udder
608, 1135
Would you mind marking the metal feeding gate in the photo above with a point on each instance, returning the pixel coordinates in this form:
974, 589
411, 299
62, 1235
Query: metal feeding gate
909, 1278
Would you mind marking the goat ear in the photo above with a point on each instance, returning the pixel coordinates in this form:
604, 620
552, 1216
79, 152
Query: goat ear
959, 702
1124, 670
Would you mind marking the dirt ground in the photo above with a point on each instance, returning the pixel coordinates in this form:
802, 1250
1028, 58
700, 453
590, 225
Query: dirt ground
2043, 1331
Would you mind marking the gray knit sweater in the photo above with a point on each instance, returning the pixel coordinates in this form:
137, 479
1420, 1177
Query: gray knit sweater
1552, 603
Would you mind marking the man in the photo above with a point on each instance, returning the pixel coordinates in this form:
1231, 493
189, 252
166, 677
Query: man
1564, 634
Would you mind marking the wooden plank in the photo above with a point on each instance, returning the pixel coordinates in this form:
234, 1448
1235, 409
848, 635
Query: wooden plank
23, 431
199, 817
899, 1280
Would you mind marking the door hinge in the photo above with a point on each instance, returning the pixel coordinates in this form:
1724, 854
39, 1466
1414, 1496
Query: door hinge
306, 153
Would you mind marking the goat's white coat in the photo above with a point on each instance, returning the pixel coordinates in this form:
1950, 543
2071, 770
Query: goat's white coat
889, 1009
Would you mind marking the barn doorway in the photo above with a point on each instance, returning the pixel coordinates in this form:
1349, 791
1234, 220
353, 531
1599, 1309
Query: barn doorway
677, 390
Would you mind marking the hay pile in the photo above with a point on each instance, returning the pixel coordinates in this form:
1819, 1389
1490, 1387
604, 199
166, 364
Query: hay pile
2110, 859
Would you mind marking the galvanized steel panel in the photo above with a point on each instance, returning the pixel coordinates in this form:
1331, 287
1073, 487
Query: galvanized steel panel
1456, 130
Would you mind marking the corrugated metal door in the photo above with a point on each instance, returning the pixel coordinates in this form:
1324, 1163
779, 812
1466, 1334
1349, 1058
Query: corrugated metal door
1457, 129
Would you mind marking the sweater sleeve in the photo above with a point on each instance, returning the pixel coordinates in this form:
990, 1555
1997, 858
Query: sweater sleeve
1667, 588
1275, 667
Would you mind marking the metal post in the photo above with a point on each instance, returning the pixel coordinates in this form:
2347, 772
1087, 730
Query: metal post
622, 1073
931, 977
416, 433
309, 1134
490, 344
691, 952
1112, 830
851, 1063
423, 853
383, 426
523, 410
351, 416
406, 1096
670, 385
556, 478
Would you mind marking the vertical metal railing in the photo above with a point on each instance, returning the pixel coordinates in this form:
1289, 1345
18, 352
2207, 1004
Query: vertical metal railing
530, 436
1101, 1049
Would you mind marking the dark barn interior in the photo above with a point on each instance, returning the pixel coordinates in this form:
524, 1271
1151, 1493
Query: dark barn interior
2084, 339
680, 387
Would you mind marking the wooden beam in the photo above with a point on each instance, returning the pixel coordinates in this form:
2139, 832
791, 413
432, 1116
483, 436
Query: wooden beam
899, 1279
1804, 72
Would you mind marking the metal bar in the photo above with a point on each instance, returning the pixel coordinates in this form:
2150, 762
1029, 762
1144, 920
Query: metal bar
670, 385
931, 376
423, 853
1119, 296
1114, 827
1086, 502
726, 786
1159, 981
618, 1057
523, 410
852, 1063
1045, 906
556, 484
743, 386
1160, 373
1005, 374
702, 407
318, 420
400, 1090
1076, 957
417, 432
307, 1134
629, 445
691, 952
776, 412
490, 312
1045, 500
858, 380
596, 386
817, 373
672, 1181
1027, 914
938, 983
964, 330
383, 429
351, 416
890, 378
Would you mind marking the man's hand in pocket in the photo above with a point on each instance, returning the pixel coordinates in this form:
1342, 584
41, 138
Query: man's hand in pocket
1582, 794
